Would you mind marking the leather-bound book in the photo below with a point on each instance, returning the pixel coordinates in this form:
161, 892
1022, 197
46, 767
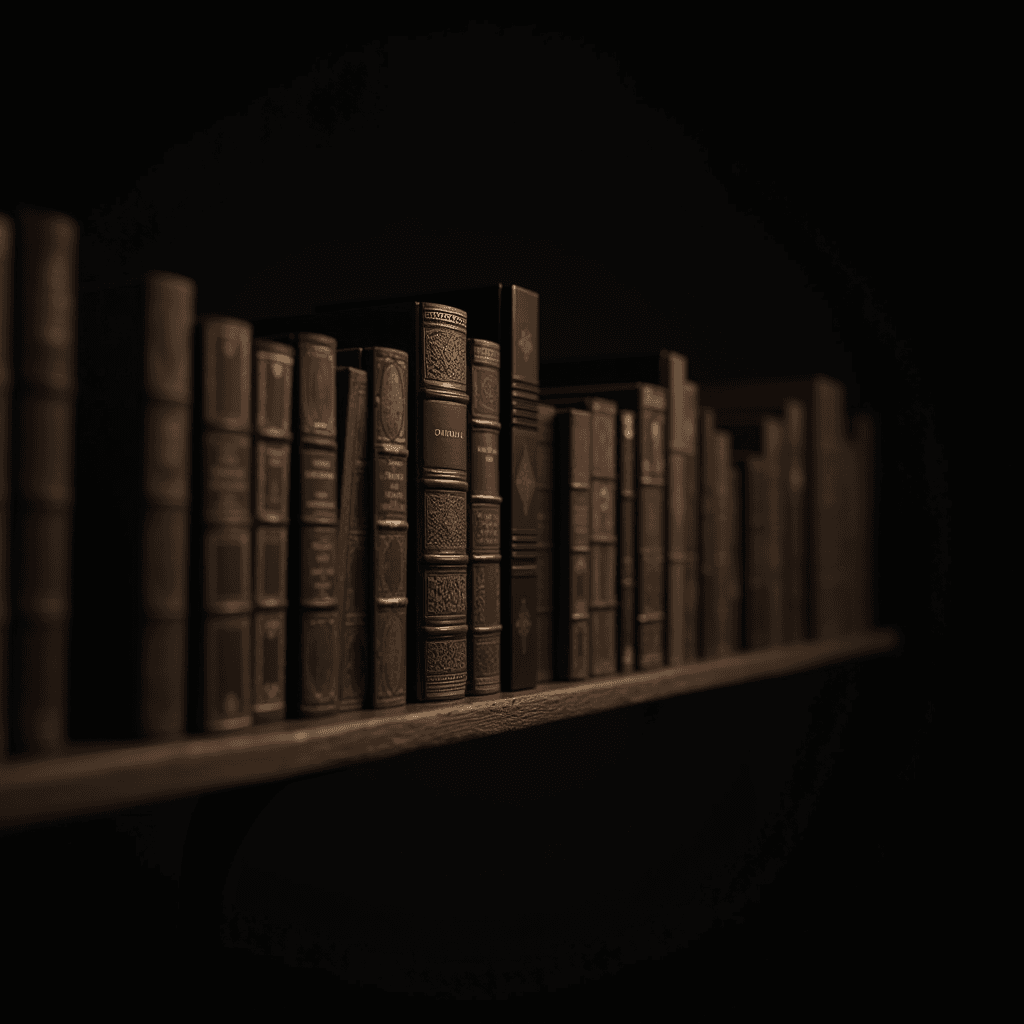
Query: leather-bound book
649, 402
6, 380
772, 449
753, 549
863, 443
273, 380
221, 592
734, 558
42, 475
434, 336
545, 542
627, 540
313, 662
353, 527
484, 524
604, 541
795, 527
572, 543
691, 521
132, 508
710, 571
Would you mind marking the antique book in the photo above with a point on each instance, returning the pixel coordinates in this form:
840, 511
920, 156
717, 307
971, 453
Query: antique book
273, 380
132, 507
510, 315
649, 402
691, 521
42, 477
221, 592
545, 542
627, 540
863, 443
377, 591
434, 336
710, 571
753, 558
824, 401
734, 555
604, 541
313, 662
772, 449
795, 527
572, 436
6, 380
483, 525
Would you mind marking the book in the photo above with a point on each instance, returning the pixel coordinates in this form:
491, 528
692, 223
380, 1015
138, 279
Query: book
572, 435
604, 541
691, 521
545, 542
772, 449
221, 592
273, 381
627, 540
711, 642
132, 509
6, 380
649, 403
378, 595
42, 476
795, 528
732, 612
483, 526
863, 441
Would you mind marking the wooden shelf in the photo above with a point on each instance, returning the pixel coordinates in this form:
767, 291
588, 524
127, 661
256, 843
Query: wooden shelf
111, 777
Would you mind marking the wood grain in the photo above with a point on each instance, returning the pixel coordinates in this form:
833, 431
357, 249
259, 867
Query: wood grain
34, 790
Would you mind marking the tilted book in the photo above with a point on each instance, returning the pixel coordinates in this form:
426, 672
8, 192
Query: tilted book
545, 542
273, 381
132, 508
42, 477
221, 593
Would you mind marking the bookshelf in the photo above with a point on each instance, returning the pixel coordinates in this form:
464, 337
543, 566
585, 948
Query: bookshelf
102, 779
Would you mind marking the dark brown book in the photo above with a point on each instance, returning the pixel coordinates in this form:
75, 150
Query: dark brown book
604, 541
6, 381
627, 540
863, 441
273, 381
795, 528
649, 401
691, 521
673, 379
572, 543
733, 613
484, 524
42, 475
754, 602
710, 570
379, 589
545, 542
132, 508
221, 592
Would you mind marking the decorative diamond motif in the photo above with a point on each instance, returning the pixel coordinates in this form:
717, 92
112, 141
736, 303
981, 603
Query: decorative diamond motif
526, 481
523, 622
525, 343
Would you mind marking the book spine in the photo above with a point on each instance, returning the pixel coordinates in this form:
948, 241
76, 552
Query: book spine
220, 648
520, 398
387, 540
771, 434
723, 542
864, 447
796, 524
826, 504
6, 381
673, 378
709, 520
312, 677
691, 522
848, 525
353, 523
273, 379
43, 478
735, 557
439, 628
650, 544
572, 533
169, 327
484, 526
545, 542
753, 486
603, 537
627, 540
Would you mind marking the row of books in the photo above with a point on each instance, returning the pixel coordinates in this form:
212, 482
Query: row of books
216, 524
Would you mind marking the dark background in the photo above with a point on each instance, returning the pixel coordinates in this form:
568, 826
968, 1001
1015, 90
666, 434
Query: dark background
763, 205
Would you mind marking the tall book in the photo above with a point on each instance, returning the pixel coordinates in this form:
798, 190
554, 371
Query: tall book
863, 441
572, 544
795, 526
6, 380
545, 542
691, 520
434, 336
604, 541
313, 664
649, 403
733, 522
42, 475
484, 523
221, 593
752, 486
627, 540
273, 380
132, 508
824, 401
377, 619
711, 639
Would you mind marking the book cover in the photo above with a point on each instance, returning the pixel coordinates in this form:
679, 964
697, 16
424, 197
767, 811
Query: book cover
132, 508
545, 542
42, 477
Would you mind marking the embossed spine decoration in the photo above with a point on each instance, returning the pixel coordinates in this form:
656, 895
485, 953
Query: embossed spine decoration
220, 643
273, 380
6, 380
651, 410
572, 544
132, 503
484, 525
603, 539
627, 540
673, 377
545, 542
691, 521
42, 476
